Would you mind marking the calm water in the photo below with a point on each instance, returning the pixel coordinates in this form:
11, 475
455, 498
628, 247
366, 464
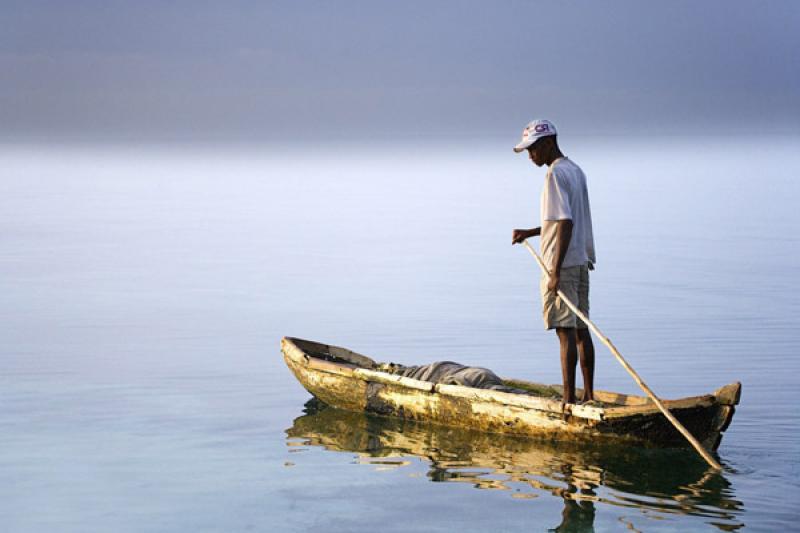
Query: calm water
145, 291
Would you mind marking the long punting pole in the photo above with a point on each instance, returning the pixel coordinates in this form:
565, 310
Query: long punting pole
697, 446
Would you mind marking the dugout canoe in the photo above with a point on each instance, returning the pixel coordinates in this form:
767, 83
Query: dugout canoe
348, 380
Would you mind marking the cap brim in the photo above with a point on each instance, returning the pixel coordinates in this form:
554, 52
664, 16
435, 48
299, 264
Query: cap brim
521, 147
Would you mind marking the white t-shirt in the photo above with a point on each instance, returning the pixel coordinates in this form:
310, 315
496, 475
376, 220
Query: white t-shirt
565, 197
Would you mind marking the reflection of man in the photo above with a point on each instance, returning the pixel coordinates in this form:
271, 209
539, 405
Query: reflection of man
567, 249
578, 513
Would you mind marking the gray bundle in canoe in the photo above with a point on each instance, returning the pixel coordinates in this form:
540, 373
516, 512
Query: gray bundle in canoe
451, 373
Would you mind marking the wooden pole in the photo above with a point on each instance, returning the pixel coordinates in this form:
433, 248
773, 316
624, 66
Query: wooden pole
685, 432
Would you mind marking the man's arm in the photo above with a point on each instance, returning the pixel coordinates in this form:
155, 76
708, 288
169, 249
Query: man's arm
563, 236
519, 235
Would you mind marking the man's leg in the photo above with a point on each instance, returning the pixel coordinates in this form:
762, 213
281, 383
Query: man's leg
586, 352
569, 359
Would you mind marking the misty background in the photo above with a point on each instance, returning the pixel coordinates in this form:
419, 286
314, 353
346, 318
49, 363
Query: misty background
316, 71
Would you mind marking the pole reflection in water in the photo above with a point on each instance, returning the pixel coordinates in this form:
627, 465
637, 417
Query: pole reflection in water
655, 482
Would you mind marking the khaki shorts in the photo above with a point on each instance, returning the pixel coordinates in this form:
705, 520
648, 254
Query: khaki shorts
574, 283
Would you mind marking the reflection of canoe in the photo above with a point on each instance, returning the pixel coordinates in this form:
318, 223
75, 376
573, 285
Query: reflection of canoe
344, 379
612, 475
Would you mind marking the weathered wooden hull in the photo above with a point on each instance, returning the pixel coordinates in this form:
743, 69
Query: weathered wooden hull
347, 381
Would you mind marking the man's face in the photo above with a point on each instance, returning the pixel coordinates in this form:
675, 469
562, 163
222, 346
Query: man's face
536, 152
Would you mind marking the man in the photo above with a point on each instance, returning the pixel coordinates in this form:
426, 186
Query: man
568, 251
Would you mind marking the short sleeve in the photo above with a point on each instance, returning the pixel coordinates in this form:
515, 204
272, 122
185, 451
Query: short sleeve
555, 198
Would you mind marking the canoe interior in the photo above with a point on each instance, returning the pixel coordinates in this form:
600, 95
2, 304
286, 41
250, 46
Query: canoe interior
343, 356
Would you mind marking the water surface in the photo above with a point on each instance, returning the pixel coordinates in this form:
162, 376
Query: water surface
145, 291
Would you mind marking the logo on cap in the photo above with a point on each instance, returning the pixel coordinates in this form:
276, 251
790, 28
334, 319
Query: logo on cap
541, 128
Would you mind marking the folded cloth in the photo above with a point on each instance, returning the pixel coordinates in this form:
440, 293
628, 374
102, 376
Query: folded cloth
450, 373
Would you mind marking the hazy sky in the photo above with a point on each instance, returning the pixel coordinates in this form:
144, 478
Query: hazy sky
303, 70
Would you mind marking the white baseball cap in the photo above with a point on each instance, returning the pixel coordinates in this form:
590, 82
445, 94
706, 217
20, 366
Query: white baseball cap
535, 130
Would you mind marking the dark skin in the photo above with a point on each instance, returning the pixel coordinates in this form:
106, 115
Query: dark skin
576, 343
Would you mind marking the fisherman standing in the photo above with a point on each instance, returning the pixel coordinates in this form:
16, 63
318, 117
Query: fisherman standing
567, 246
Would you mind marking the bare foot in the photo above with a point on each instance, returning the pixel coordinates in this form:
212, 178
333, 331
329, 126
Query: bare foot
566, 407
